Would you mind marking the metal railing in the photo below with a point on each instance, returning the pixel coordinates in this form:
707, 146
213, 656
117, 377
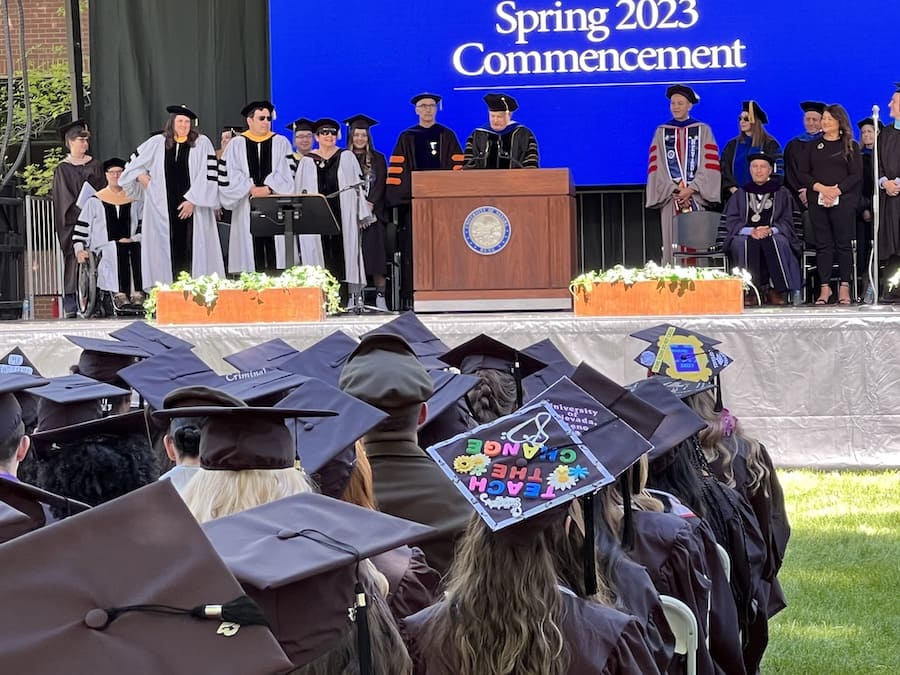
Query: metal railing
43, 257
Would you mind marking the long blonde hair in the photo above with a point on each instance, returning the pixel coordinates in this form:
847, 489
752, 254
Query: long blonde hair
216, 494
641, 500
503, 610
360, 490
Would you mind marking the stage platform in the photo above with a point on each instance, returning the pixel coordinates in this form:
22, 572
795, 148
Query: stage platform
819, 386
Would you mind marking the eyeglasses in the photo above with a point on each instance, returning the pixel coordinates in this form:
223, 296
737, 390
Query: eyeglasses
426, 106
743, 118
264, 118
115, 172
327, 131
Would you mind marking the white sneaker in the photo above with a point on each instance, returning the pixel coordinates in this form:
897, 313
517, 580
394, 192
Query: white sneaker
380, 302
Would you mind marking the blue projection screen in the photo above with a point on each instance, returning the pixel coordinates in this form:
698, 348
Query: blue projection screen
590, 77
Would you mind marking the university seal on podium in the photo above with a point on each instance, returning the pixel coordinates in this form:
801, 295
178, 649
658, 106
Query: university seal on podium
486, 230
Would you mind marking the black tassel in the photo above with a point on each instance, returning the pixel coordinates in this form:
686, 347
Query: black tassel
243, 611
627, 523
589, 550
718, 406
363, 640
517, 375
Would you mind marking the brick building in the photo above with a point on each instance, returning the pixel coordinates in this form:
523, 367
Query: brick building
45, 33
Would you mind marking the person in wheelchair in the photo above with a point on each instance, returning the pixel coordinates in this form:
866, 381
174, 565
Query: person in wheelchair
110, 227
760, 232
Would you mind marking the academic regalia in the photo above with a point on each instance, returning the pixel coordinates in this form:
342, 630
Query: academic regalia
413, 585
68, 180
599, 640
681, 152
420, 149
158, 245
235, 181
776, 257
736, 164
889, 167
513, 148
100, 225
325, 176
373, 237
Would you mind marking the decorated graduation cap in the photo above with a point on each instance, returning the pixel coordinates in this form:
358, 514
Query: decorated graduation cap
182, 110
682, 354
113, 425
150, 338
420, 97
71, 399
868, 121
262, 386
557, 366
679, 423
684, 388
684, 90
253, 106
384, 372
324, 359
520, 466
76, 128
325, 445
301, 124
408, 326
33, 502
270, 354
130, 586
12, 384
755, 111
484, 351
812, 106
240, 437
360, 121
298, 557
113, 162
762, 156
15, 361
501, 103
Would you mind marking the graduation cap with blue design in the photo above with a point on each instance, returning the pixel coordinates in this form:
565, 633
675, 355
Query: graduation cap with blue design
15, 361
325, 359
684, 355
325, 446
12, 386
270, 354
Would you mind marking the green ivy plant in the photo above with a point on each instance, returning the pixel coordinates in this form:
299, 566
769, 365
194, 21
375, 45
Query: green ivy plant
680, 278
205, 289
37, 178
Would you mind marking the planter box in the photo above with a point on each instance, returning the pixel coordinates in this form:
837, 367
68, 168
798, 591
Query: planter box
270, 305
661, 298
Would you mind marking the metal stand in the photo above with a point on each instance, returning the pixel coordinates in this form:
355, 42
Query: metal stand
291, 215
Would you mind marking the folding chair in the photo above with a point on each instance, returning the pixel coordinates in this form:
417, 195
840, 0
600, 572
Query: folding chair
699, 232
726, 561
684, 627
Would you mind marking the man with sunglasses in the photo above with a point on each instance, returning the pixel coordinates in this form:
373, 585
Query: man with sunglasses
427, 146
256, 163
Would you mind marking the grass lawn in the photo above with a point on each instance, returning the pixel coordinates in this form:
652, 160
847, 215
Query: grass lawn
841, 576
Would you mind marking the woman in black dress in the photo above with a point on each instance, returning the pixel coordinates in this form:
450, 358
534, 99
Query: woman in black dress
374, 171
831, 171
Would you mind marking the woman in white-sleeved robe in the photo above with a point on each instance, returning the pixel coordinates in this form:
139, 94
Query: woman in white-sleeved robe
235, 182
156, 260
94, 232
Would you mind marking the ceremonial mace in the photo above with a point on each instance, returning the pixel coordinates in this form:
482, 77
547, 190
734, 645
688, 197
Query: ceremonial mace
876, 220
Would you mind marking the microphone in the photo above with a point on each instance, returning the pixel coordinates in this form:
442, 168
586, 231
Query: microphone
875, 110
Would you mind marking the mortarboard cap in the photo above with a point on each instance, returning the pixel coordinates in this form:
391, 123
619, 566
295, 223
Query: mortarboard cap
408, 326
384, 371
32, 501
761, 155
269, 354
13, 523
753, 109
182, 110
324, 359
868, 121
360, 121
679, 423
113, 162
520, 466
684, 388
113, 425
253, 106
448, 388
150, 338
15, 361
13, 385
301, 124
484, 351
71, 399
684, 90
96, 588
812, 106
611, 440
297, 558
557, 366
78, 127
155, 377
639, 415
418, 97
235, 438
680, 353
263, 386
326, 123
501, 103
109, 347
325, 445
103, 359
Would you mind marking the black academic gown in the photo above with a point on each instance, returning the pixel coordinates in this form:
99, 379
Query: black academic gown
414, 152
889, 166
373, 237
408, 484
513, 148
793, 154
599, 641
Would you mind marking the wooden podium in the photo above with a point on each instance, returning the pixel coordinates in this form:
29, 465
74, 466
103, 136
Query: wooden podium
465, 256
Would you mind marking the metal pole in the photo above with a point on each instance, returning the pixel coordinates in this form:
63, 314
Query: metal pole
876, 221
76, 62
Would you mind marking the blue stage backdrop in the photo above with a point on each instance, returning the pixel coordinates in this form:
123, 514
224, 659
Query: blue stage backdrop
590, 77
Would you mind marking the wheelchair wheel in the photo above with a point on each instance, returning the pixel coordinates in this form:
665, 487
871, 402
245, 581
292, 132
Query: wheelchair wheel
86, 295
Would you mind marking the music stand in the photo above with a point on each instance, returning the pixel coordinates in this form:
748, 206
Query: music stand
291, 215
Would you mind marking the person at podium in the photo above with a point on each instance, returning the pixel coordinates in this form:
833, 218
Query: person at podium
503, 144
